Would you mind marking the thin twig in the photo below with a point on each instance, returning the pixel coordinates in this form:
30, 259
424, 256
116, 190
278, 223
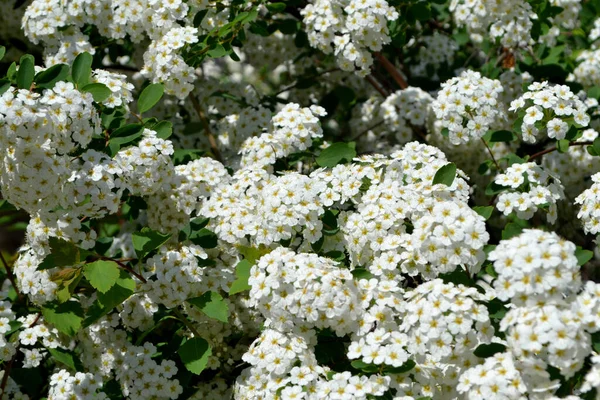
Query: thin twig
367, 130
211, 138
127, 268
551, 149
10, 276
376, 85
293, 85
391, 69
185, 321
492, 155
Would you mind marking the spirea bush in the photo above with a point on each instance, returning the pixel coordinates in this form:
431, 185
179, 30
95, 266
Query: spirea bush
300, 200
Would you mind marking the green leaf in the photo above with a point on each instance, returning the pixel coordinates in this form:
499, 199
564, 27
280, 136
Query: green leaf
336, 154
82, 69
99, 91
594, 92
484, 211
252, 254
502, 136
488, 350
275, 8
62, 254
47, 78
199, 17
361, 273
217, 52
420, 11
105, 302
26, 72
205, 238
4, 85
66, 317
596, 145
364, 367
493, 188
407, 366
242, 273
150, 96
212, 304
101, 274
66, 358
163, 129
562, 146
583, 255
511, 230
67, 280
148, 240
194, 354
445, 175
2, 52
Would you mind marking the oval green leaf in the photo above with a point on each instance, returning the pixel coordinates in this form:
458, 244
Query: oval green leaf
150, 96
82, 69
445, 175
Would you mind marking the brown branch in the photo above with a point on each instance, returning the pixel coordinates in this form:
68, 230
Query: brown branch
391, 69
211, 138
11, 277
12, 360
293, 85
376, 85
367, 130
551, 149
491, 155
126, 267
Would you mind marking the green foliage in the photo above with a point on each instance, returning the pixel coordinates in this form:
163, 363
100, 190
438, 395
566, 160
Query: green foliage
511, 230
337, 153
583, 256
484, 211
47, 79
445, 175
150, 96
120, 291
66, 317
81, 70
99, 91
163, 129
62, 253
212, 304
242, 273
488, 350
148, 240
66, 358
26, 72
194, 354
101, 274
501, 136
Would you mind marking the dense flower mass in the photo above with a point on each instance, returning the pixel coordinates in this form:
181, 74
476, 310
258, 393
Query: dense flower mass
321, 199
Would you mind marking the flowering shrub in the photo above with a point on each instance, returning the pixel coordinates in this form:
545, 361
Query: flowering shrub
322, 199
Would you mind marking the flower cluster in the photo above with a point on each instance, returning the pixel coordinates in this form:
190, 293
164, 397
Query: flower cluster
531, 188
468, 106
534, 265
589, 212
303, 289
510, 21
406, 110
293, 129
549, 108
435, 51
349, 30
